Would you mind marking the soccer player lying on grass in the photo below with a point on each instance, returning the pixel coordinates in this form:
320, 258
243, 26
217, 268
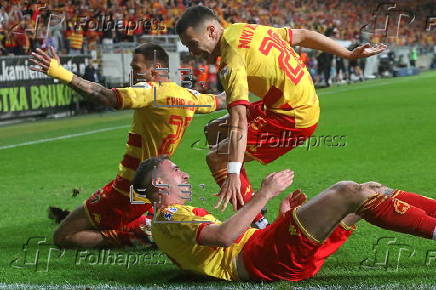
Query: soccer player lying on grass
108, 218
295, 246
258, 59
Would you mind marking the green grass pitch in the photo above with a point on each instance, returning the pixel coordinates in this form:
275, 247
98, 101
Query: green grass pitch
389, 129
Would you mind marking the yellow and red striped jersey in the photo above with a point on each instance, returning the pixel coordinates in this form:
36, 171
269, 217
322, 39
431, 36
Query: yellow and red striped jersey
259, 59
163, 112
177, 238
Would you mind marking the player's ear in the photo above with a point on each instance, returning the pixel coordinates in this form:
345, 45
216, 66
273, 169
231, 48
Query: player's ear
211, 30
155, 72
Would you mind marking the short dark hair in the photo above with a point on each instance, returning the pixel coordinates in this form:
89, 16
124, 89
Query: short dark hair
152, 52
194, 16
143, 177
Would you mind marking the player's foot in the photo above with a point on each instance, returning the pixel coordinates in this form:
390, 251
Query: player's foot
57, 214
260, 224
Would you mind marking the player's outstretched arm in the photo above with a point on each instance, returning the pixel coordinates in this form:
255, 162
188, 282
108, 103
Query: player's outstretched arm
312, 39
230, 190
225, 234
49, 64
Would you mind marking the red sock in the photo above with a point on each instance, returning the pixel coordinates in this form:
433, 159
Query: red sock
246, 189
425, 203
220, 176
396, 215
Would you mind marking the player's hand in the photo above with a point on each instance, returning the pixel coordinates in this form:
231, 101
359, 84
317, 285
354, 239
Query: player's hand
230, 191
50, 65
276, 182
42, 59
291, 201
367, 50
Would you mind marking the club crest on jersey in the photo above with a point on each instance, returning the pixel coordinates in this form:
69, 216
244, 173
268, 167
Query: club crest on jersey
400, 206
172, 209
168, 213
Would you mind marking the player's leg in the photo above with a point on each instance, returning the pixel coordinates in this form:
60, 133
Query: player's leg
425, 203
216, 130
320, 216
77, 231
107, 219
217, 160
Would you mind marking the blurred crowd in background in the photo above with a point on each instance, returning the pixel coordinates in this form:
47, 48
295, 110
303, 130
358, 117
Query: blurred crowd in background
80, 26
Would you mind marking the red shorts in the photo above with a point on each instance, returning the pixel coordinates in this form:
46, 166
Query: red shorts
270, 135
108, 208
283, 251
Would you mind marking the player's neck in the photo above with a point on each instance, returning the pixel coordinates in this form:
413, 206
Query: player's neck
217, 50
161, 79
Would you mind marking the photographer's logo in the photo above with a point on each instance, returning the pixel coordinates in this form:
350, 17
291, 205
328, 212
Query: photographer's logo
37, 254
387, 254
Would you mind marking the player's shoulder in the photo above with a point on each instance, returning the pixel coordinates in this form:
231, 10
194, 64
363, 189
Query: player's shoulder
234, 27
176, 212
145, 85
179, 212
232, 33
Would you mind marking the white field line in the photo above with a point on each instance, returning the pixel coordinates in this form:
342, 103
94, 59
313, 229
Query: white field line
77, 135
370, 84
62, 137
355, 87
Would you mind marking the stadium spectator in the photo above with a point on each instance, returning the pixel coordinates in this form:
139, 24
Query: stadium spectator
75, 38
347, 15
325, 67
355, 65
91, 74
413, 56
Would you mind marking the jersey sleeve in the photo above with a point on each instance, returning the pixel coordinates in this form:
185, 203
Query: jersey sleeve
183, 223
206, 102
285, 33
139, 96
233, 76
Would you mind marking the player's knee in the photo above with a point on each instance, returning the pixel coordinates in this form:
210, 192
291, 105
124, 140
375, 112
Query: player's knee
59, 238
212, 156
207, 129
375, 187
212, 132
372, 185
348, 190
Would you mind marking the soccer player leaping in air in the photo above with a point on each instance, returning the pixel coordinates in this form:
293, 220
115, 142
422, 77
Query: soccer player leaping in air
258, 59
295, 246
162, 113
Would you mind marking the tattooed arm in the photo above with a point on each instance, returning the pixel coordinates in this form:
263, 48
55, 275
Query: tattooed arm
94, 91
